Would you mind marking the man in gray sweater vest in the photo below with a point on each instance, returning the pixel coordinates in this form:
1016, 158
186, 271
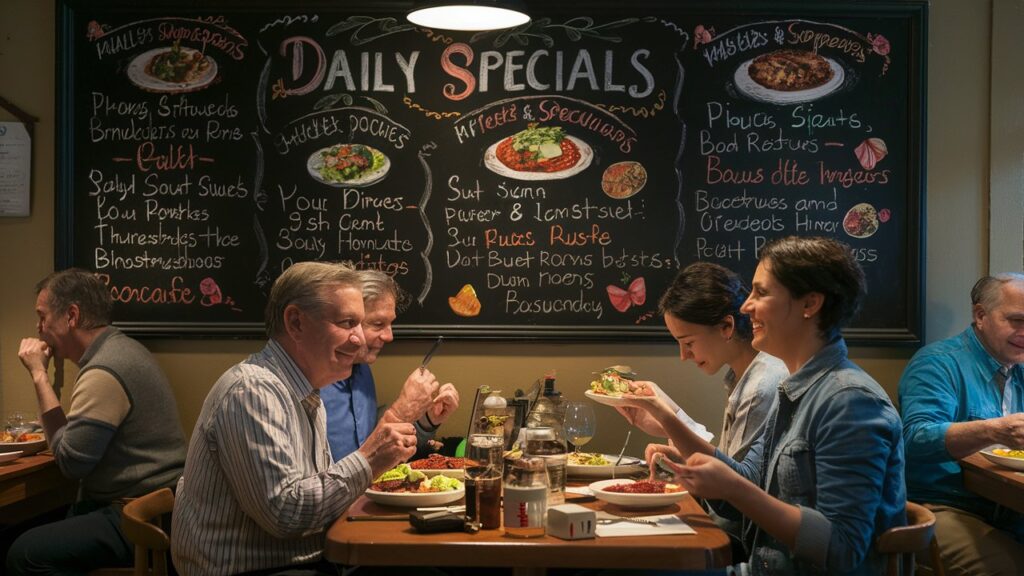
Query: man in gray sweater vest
121, 437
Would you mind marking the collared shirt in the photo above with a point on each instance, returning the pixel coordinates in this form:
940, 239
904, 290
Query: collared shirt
351, 406
751, 400
259, 488
833, 447
952, 380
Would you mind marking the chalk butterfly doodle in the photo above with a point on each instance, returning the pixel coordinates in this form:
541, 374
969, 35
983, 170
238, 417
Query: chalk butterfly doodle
635, 295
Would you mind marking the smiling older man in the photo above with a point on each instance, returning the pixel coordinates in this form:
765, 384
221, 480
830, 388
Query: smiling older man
351, 403
958, 396
260, 487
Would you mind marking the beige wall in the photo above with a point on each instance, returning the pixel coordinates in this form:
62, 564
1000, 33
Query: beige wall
958, 172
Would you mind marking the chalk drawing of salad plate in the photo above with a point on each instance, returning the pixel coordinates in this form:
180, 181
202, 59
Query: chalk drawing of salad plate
750, 88
319, 165
494, 164
186, 78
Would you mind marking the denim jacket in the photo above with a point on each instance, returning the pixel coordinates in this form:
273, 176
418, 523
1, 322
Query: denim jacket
833, 447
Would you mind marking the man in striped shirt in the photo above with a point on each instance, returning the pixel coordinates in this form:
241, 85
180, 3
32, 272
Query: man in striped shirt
259, 488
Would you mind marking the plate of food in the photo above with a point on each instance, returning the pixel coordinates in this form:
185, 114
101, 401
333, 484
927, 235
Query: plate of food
25, 442
861, 221
172, 68
788, 76
348, 165
616, 384
1004, 456
403, 486
637, 493
538, 153
436, 464
623, 179
594, 465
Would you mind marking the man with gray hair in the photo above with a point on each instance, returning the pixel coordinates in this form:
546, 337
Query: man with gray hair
958, 396
351, 404
121, 437
260, 487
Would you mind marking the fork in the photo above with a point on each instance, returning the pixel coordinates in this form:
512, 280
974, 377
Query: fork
644, 521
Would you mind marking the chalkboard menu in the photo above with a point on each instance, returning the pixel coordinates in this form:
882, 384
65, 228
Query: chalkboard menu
545, 181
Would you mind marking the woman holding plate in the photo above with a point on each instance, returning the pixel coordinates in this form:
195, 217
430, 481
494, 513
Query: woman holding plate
826, 478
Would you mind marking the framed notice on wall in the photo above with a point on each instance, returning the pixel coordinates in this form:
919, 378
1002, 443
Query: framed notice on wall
545, 181
15, 169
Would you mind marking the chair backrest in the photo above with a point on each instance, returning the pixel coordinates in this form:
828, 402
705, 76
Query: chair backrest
141, 521
901, 542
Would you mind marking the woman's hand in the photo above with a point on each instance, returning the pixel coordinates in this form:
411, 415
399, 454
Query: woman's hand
655, 452
707, 477
640, 418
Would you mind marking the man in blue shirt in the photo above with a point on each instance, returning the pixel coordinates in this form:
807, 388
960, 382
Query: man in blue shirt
351, 404
958, 396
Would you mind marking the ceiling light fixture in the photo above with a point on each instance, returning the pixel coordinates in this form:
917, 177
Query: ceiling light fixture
469, 15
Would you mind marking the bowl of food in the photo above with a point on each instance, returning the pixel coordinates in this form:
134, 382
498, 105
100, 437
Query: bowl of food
1003, 456
406, 487
438, 465
638, 493
25, 442
594, 465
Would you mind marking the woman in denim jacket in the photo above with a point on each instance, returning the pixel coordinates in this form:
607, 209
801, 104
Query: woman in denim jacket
827, 476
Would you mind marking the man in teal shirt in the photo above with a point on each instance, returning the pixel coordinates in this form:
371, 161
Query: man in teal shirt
958, 396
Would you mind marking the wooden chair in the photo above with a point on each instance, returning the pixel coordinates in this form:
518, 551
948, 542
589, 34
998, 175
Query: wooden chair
901, 542
141, 522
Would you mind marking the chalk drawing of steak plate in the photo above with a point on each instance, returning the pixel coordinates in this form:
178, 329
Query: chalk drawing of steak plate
748, 87
494, 165
316, 162
137, 74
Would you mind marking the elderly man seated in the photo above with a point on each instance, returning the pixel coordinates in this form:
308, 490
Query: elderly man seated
958, 396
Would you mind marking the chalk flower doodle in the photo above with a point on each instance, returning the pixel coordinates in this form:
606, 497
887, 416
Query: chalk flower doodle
623, 298
211, 292
702, 35
870, 152
366, 29
879, 43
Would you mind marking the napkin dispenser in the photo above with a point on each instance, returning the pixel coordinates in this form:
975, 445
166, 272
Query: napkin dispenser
571, 522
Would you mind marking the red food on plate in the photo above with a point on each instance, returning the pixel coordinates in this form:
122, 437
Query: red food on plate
437, 462
644, 487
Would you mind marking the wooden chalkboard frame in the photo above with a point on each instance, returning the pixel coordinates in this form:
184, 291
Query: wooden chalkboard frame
910, 333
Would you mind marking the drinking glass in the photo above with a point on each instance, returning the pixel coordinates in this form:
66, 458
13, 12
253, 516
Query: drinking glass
484, 453
580, 424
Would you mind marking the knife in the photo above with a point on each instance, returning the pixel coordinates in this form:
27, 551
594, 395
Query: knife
430, 353
371, 517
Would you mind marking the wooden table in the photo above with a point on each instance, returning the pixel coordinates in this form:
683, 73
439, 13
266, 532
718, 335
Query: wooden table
30, 486
996, 483
395, 543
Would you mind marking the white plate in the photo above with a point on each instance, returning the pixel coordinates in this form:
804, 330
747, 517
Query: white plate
746, 85
138, 76
633, 500
8, 456
316, 161
1008, 461
415, 499
628, 465
27, 448
614, 400
494, 165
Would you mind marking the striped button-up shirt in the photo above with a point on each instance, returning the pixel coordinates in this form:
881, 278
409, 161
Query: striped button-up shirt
259, 488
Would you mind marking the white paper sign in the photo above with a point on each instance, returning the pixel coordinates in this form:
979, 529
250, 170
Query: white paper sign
15, 169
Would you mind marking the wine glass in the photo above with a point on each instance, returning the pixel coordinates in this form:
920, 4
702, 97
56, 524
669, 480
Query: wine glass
579, 424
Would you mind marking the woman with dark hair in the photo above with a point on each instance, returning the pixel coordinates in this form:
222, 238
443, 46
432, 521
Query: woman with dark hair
827, 476
701, 309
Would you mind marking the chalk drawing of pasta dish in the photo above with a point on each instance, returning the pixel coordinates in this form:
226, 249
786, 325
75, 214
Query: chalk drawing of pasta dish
348, 165
172, 69
861, 221
538, 153
788, 76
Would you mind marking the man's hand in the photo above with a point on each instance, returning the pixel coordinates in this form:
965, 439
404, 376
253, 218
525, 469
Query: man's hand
415, 398
446, 402
1009, 430
388, 445
35, 356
